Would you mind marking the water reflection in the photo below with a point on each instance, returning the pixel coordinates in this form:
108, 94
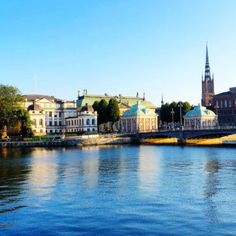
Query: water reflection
148, 170
43, 172
13, 176
211, 188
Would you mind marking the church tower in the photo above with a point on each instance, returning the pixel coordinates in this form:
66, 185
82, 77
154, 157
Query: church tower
207, 85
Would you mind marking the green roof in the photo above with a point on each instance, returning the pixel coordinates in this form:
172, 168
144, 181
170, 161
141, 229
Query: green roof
130, 101
139, 110
199, 111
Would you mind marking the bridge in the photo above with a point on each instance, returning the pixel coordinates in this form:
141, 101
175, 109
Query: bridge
182, 135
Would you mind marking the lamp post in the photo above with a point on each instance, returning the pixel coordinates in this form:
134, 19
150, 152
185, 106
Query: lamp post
172, 114
180, 114
216, 109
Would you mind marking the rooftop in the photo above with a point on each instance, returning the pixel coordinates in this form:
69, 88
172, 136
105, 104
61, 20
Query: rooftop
200, 111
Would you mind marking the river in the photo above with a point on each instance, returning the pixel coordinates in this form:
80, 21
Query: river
118, 190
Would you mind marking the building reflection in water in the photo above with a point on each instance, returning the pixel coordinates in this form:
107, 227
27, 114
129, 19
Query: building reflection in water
91, 166
149, 170
212, 187
43, 172
14, 173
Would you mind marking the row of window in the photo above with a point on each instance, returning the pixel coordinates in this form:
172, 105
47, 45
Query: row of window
80, 122
78, 130
39, 122
55, 123
225, 103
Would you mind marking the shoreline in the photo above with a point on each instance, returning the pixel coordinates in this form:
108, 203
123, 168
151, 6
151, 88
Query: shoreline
112, 140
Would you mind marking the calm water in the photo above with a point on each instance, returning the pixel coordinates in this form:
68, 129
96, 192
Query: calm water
123, 190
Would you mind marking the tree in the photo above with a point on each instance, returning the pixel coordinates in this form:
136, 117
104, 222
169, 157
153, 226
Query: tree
113, 111
102, 111
25, 122
95, 105
165, 111
10, 102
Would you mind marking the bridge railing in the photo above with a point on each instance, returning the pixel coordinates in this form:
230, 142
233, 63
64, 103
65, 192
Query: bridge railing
225, 127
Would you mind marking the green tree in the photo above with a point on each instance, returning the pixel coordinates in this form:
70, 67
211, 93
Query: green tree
102, 111
165, 111
95, 105
10, 102
25, 122
113, 111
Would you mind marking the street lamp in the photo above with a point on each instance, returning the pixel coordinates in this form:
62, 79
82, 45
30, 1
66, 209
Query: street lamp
180, 113
172, 114
216, 109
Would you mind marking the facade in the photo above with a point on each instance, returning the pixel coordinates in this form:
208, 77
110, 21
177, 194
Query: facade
138, 119
37, 117
125, 102
225, 107
85, 121
207, 85
199, 118
55, 111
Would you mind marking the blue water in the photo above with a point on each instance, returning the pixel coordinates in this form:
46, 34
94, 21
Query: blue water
121, 190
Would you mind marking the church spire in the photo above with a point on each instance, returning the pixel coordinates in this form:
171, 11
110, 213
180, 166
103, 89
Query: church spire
207, 84
207, 66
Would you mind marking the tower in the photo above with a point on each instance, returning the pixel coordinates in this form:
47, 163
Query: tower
207, 85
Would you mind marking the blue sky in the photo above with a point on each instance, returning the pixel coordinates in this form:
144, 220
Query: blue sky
57, 47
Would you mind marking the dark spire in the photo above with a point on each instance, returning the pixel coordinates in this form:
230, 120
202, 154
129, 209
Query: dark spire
207, 66
162, 100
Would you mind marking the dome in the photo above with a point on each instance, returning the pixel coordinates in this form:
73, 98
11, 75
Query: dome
34, 107
137, 110
200, 111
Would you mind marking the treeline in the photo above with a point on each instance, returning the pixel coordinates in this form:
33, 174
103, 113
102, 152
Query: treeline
174, 107
13, 117
107, 111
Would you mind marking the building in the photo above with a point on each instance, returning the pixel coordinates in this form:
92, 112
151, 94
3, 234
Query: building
125, 102
37, 117
85, 121
207, 85
138, 119
199, 118
225, 107
55, 111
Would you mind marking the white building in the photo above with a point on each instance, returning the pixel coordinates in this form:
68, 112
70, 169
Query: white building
55, 110
85, 121
139, 119
200, 117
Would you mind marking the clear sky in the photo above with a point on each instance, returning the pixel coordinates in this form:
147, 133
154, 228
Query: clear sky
57, 47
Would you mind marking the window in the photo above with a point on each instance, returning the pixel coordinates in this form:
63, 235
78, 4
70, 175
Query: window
226, 103
50, 114
59, 114
55, 123
50, 124
87, 122
230, 103
35, 122
60, 123
221, 103
41, 122
93, 121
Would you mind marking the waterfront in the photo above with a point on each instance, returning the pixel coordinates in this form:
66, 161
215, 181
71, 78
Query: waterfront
118, 190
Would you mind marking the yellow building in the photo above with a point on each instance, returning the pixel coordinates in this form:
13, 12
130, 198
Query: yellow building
37, 117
